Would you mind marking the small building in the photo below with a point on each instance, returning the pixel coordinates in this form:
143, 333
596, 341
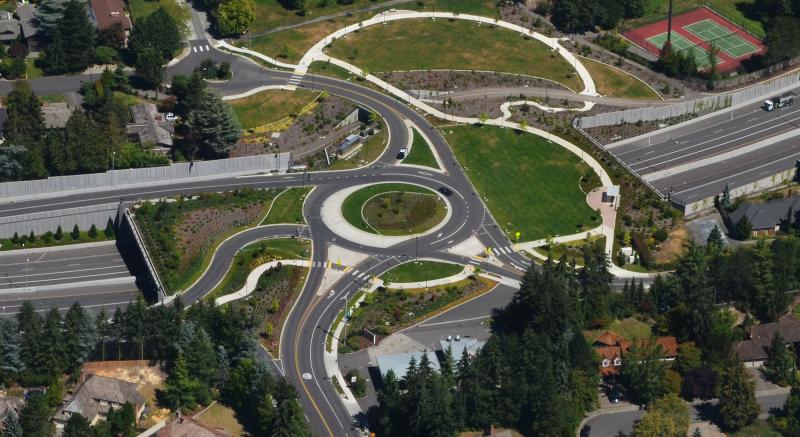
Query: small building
150, 127
185, 426
766, 218
96, 396
755, 349
104, 13
398, 363
8, 405
611, 194
57, 114
9, 27
348, 146
458, 345
26, 13
612, 348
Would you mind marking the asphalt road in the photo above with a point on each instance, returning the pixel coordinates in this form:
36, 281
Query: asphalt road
92, 296
65, 265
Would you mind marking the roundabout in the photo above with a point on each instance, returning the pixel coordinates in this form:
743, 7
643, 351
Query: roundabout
394, 209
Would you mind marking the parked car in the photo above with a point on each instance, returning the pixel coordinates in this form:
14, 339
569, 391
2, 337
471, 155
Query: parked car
446, 191
171, 117
585, 431
613, 394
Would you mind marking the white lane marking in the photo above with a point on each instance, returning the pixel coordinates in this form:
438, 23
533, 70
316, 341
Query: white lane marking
457, 321
194, 49
472, 261
207, 48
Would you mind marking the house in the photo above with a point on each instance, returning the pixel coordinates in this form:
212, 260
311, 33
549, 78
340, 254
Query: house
766, 218
755, 349
9, 27
104, 13
8, 405
458, 345
96, 396
26, 13
150, 127
612, 349
398, 363
57, 114
188, 427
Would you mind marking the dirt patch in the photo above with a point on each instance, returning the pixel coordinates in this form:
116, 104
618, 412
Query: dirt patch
149, 378
673, 246
445, 80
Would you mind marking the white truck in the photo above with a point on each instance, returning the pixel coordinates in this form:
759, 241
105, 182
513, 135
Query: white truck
778, 102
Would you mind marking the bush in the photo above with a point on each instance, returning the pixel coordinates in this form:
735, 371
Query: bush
661, 234
360, 386
645, 257
613, 43
104, 55
76, 232
93, 231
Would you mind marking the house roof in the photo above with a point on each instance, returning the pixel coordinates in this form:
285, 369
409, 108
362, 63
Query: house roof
756, 347
609, 353
149, 125
608, 338
189, 427
766, 215
9, 28
471, 344
399, 362
92, 398
27, 13
108, 12
669, 345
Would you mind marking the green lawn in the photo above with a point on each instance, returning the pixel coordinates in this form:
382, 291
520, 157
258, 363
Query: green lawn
529, 184
220, 416
738, 11
253, 255
288, 207
142, 8
630, 329
31, 70
270, 106
403, 213
353, 204
421, 153
52, 98
616, 83
443, 44
415, 271
271, 14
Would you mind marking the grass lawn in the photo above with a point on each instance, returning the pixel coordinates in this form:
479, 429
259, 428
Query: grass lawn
421, 153
617, 83
530, 185
31, 70
415, 210
442, 44
52, 98
270, 106
220, 416
369, 152
738, 11
142, 8
256, 254
421, 271
630, 329
759, 428
288, 207
270, 13
573, 250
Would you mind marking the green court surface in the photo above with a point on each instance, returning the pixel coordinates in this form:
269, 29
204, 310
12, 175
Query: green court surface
727, 41
680, 44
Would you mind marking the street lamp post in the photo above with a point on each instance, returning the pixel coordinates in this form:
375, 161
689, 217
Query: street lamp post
27, 263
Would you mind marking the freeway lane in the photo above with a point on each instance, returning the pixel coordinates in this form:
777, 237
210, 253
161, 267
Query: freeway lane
92, 296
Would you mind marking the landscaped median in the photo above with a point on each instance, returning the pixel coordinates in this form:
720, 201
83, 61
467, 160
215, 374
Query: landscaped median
418, 271
394, 209
288, 207
421, 153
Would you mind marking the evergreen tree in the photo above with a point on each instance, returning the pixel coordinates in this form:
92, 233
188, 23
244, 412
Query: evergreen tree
12, 426
201, 359
179, 391
642, 373
77, 36
737, 401
744, 230
150, 67
10, 358
48, 15
595, 282
59, 233
54, 59
80, 337
34, 419
109, 230
76, 232
93, 231
25, 123
779, 365
158, 31
714, 240
725, 201
77, 426
213, 127
289, 420
791, 412
50, 359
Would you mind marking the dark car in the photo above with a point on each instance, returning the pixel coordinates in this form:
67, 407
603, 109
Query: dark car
613, 394
446, 191
585, 431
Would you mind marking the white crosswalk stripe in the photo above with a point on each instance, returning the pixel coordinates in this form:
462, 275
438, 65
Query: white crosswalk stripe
361, 276
194, 49
207, 49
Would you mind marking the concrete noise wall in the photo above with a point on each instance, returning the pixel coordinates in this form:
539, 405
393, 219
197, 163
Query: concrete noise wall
179, 172
42, 222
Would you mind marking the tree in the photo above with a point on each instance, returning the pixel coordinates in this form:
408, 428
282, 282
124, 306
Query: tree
48, 15
744, 230
642, 373
80, 337
790, 422
34, 418
665, 417
201, 359
289, 420
150, 67
700, 383
779, 365
12, 426
213, 126
737, 401
93, 231
109, 230
158, 31
77, 426
783, 40
714, 240
234, 17
574, 16
77, 36
713, 60
10, 360
179, 388
76, 232
25, 121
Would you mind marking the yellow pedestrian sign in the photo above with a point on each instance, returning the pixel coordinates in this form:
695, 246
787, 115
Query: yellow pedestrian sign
518, 235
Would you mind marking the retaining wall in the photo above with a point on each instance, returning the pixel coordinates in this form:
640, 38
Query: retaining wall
752, 187
41, 222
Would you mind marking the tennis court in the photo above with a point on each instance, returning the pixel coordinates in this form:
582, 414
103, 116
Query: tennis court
727, 41
681, 44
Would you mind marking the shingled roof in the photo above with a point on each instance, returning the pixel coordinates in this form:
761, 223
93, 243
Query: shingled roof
756, 347
97, 395
766, 215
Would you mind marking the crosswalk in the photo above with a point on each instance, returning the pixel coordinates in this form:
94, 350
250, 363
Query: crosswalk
295, 80
200, 48
505, 250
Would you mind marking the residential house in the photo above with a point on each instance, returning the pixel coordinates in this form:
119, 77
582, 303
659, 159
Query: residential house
150, 127
766, 218
755, 349
96, 396
188, 427
612, 349
26, 13
9, 404
9, 27
398, 363
104, 13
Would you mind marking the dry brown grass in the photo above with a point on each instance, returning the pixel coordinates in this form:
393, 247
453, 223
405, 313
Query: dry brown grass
673, 246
